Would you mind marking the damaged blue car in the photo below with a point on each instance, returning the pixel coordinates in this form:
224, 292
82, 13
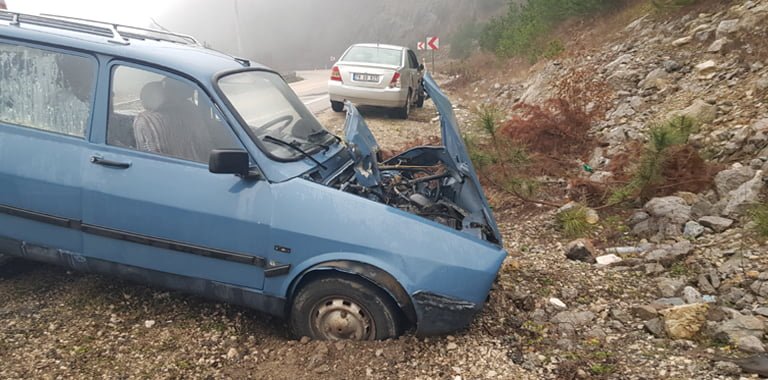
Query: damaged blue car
140, 154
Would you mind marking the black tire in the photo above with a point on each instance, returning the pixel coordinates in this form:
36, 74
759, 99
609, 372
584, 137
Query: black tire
404, 111
337, 106
420, 99
340, 307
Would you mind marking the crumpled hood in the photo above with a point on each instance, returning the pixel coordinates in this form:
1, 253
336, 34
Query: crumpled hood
363, 146
454, 145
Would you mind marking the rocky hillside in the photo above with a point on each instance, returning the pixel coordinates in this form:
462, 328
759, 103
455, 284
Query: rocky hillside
296, 34
675, 286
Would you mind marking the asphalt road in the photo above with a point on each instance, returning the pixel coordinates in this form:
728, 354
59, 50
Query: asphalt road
313, 90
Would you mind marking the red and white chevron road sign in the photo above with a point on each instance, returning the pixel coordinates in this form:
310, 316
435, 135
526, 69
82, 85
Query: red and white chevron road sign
433, 43
421, 45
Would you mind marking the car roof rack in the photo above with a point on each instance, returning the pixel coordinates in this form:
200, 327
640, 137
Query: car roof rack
118, 33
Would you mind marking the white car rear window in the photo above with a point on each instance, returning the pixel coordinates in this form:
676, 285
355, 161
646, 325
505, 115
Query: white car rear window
372, 54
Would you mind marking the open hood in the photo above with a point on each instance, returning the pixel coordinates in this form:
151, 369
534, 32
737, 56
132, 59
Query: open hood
460, 186
457, 150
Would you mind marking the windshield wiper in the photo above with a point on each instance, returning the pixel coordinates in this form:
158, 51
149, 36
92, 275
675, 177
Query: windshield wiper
324, 132
324, 147
293, 146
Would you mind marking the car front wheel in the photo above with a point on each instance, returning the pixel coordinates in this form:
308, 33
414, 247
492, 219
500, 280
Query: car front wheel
337, 106
342, 308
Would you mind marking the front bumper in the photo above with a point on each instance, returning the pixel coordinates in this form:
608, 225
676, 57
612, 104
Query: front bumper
438, 314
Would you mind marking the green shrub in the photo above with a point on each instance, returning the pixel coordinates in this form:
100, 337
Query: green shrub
573, 222
463, 40
672, 4
480, 156
523, 30
487, 118
759, 215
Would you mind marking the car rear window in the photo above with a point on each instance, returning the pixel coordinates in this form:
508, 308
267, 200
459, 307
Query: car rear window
46, 90
373, 54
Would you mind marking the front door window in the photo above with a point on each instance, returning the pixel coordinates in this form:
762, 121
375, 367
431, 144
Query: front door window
161, 114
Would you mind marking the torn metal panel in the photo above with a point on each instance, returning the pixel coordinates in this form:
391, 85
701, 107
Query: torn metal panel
440, 314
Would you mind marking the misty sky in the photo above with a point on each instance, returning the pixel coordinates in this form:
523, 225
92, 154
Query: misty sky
283, 34
133, 12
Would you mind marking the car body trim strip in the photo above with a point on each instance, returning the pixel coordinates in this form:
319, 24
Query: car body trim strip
135, 238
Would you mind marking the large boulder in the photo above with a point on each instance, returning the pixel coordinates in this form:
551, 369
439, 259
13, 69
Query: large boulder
726, 28
738, 327
666, 255
658, 79
716, 223
581, 250
667, 217
685, 321
730, 179
675, 209
669, 287
748, 194
699, 111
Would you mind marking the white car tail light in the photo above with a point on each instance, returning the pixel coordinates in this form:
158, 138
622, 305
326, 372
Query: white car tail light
336, 74
395, 83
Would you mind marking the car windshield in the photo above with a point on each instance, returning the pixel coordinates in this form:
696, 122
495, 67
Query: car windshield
270, 108
374, 54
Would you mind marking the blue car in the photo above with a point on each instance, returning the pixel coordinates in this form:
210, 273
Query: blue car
141, 154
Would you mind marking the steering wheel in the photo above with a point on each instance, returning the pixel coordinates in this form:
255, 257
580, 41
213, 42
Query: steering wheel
286, 119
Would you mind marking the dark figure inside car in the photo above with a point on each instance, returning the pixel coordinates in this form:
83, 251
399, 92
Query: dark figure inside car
170, 123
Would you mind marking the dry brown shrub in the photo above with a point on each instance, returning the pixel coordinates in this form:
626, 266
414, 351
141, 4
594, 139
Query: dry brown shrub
582, 89
685, 170
622, 163
592, 194
555, 129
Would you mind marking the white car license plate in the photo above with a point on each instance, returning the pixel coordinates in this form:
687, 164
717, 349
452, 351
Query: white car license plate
365, 77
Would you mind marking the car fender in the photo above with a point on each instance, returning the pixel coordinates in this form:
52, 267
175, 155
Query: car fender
377, 274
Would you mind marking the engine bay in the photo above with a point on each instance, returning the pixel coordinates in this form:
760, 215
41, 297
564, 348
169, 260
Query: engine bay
420, 181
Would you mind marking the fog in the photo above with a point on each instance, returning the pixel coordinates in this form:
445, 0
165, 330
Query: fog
305, 34
284, 34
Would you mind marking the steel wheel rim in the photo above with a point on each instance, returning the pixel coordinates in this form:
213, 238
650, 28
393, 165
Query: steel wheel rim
339, 318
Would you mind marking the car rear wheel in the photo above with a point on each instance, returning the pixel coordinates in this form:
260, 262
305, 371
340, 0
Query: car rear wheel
337, 106
420, 99
342, 308
405, 110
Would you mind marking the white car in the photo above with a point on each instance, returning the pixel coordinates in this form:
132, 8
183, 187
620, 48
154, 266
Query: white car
377, 75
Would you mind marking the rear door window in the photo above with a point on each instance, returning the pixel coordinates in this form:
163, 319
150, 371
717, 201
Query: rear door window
413, 60
46, 90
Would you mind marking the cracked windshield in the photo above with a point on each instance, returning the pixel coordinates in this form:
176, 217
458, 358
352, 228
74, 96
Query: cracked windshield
275, 116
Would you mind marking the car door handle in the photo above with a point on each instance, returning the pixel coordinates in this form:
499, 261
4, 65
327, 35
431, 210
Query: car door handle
109, 163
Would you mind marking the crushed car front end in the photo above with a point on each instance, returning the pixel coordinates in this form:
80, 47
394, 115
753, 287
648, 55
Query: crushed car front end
449, 279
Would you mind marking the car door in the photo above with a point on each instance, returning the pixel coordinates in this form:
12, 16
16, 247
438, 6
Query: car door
417, 73
149, 201
46, 98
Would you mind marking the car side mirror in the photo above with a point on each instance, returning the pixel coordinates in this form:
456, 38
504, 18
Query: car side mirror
229, 161
421, 67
